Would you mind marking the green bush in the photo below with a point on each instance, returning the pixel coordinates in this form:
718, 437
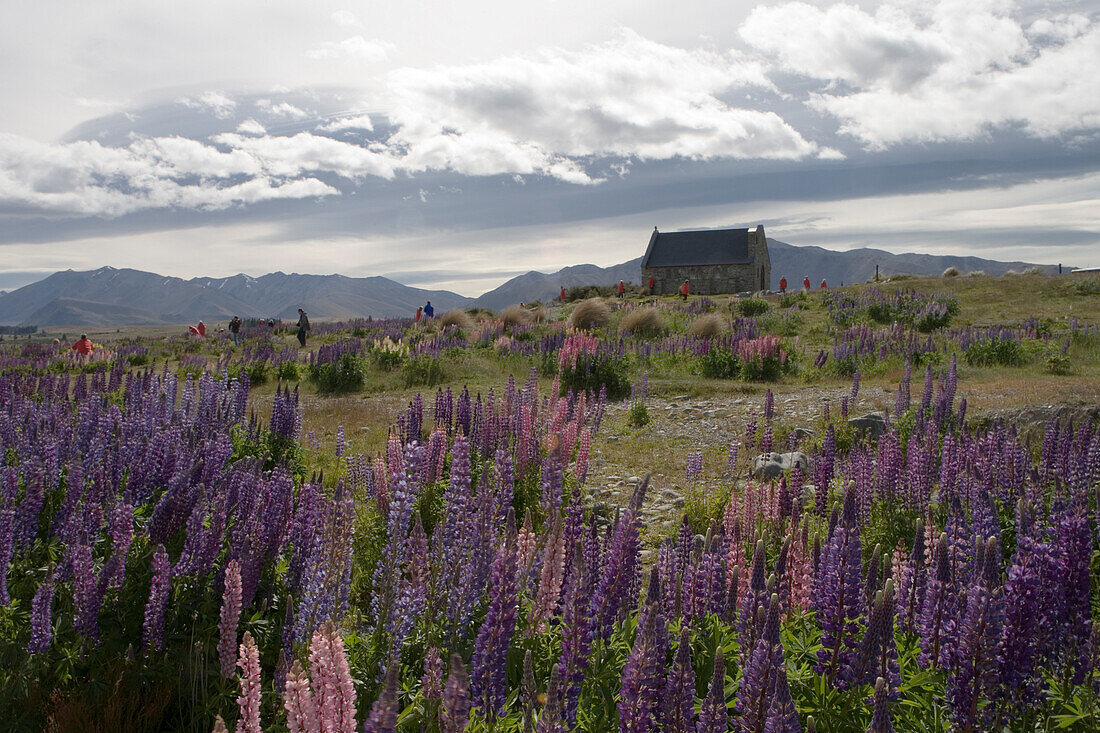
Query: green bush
423, 370
638, 415
720, 364
995, 352
344, 375
257, 372
750, 307
289, 371
790, 300
138, 359
593, 372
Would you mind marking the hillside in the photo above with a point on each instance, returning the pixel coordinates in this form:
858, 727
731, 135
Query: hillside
95, 298
532, 286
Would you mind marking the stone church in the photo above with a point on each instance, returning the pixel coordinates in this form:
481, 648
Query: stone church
711, 260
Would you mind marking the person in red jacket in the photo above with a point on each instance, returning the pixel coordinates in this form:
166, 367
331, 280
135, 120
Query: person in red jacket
562, 294
622, 289
782, 284
83, 345
806, 283
419, 312
685, 289
823, 285
201, 328
652, 285
192, 330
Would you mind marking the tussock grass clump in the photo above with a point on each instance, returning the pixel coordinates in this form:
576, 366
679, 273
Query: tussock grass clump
951, 272
1013, 273
513, 315
541, 314
643, 322
1034, 270
709, 326
590, 313
976, 273
458, 318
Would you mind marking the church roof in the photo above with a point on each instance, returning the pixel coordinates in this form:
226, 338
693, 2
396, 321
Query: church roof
699, 247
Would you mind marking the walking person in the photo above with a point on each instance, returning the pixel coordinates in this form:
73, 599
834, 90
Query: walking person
823, 285
652, 284
622, 289
562, 295
83, 345
419, 313
782, 284
235, 330
805, 282
303, 326
685, 289
201, 328
429, 312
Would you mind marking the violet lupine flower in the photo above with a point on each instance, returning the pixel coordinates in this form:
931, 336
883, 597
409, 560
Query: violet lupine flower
643, 675
229, 617
41, 615
678, 710
576, 643
901, 405
912, 583
152, 633
383, 714
431, 682
694, 465
491, 647
731, 459
249, 699
877, 656
973, 677
301, 712
551, 719
750, 430
880, 717
840, 594
86, 600
7, 522
122, 535
714, 714
769, 405
782, 717
456, 699
939, 612
754, 697
617, 581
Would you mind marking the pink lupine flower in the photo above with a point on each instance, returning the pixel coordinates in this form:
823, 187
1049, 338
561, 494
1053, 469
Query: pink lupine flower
249, 699
301, 713
580, 469
230, 616
553, 572
333, 691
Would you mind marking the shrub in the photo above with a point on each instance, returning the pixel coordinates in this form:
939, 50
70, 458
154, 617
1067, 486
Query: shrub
995, 352
720, 364
584, 292
513, 315
289, 371
709, 326
423, 369
590, 313
593, 372
257, 371
638, 415
951, 272
750, 307
790, 300
346, 374
138, 359
1087, 287
457, 318
643, 322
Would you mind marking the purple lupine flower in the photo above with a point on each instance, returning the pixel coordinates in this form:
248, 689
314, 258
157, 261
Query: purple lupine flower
341, 444
880, 717
694, 465
86, 600
839, 601
714, 714
491, 647
7, 526
383, 714
431, 683
455, 712
782, 717
939, 612
973, 677
877, 656
619, 570
901, 405
643, 677
913, 583
678, 709
731, 459
769, 405
41, 615
122, 535
576, 643
152, 631
754, 697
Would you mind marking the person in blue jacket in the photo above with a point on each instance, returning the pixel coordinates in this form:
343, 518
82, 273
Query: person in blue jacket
428, 310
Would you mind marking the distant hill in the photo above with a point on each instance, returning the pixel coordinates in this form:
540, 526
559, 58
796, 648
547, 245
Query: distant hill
110, 296
788, 260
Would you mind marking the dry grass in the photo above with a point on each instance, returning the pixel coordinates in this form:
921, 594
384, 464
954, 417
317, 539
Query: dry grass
541, 314
590, 313
645, 321
458, 318
709, 326
513, 315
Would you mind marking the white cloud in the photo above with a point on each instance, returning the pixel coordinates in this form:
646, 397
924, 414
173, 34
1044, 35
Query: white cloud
356, 48
288, 157
281, 109
345, 19
217, 102
357, 122
949, 71
251, 127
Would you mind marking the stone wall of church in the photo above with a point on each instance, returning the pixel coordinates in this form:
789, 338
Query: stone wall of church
708, 279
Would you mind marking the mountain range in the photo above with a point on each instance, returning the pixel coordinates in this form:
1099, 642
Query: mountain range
121, 297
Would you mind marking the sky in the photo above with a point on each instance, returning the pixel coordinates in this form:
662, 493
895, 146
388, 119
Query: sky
457, 144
